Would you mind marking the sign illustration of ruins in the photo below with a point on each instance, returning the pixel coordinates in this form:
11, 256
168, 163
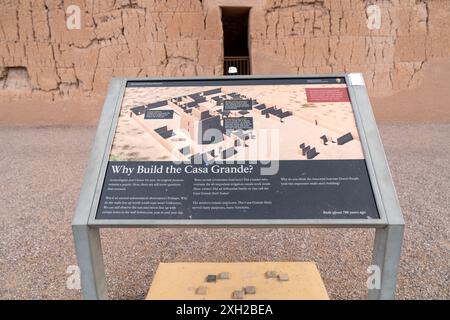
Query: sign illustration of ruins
236, 123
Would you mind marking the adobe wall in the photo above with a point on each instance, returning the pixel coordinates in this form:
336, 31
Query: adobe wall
306, 36
41, 58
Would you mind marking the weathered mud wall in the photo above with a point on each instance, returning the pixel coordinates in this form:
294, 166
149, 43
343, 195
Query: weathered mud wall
306, 36
40, 57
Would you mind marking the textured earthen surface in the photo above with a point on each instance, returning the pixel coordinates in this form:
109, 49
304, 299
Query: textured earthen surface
39, 195
41, 58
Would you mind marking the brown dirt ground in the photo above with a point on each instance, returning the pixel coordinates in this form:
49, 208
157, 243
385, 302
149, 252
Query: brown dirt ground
430, 103
35, 113
35, 216
41, 172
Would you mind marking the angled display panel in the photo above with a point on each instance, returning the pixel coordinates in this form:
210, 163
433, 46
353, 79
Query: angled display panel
254, 151
262, 151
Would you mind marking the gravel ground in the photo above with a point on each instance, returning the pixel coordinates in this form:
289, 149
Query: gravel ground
41, 171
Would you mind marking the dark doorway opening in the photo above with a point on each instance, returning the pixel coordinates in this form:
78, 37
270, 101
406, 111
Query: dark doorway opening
235, 40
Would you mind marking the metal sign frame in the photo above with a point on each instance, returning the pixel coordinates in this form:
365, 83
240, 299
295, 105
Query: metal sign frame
389, 227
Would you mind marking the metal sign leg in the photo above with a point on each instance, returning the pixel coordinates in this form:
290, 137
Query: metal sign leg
90, 261
386, 255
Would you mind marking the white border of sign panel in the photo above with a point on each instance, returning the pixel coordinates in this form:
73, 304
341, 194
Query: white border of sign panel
85, 225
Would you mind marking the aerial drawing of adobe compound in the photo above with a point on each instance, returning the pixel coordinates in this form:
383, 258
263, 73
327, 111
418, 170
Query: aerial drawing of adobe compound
204, 124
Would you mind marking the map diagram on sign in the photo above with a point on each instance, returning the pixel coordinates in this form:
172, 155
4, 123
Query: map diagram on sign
237, 123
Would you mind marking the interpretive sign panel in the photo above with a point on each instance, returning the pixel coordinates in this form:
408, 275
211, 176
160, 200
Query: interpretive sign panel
237, 149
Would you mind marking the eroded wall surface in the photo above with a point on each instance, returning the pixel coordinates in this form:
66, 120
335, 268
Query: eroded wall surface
307, 36
40, 57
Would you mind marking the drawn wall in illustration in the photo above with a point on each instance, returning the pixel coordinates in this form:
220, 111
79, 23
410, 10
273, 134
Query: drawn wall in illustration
285, 122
